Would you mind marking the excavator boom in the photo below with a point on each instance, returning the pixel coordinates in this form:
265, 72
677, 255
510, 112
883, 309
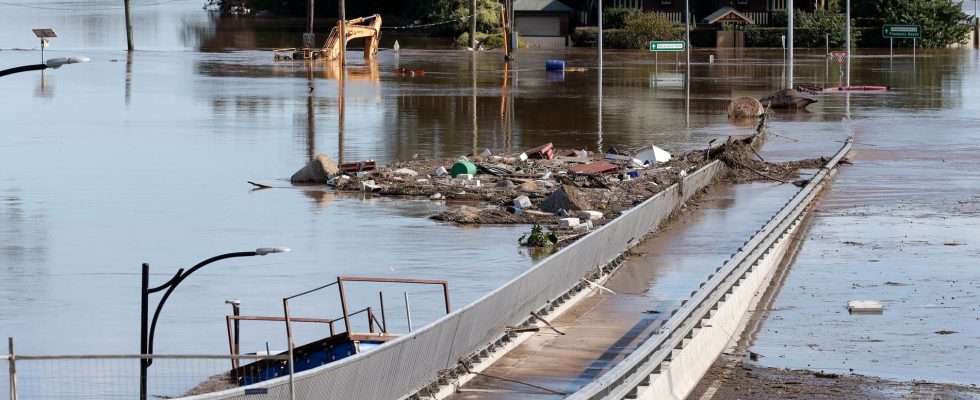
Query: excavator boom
368, 28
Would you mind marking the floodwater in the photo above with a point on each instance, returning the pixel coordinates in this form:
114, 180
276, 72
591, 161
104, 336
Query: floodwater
125, 160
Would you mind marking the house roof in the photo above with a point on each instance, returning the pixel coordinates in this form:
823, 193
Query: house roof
541, 5
727, 14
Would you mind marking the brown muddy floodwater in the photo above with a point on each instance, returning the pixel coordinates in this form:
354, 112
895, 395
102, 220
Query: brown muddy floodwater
137, 159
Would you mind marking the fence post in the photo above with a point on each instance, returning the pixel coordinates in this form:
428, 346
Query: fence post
13, 369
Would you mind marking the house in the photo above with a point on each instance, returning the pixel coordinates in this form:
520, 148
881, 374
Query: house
759, 11
542, 23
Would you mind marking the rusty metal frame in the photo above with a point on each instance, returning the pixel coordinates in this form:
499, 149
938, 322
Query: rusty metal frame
343, 294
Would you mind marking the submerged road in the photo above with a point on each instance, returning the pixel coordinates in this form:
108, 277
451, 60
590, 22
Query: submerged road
603, 329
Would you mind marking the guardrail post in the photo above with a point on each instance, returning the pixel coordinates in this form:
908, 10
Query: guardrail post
13, 369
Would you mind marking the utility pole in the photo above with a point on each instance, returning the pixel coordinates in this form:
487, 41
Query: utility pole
847, 32
789, 38
309, 17
343, 37
129, 27
472, 24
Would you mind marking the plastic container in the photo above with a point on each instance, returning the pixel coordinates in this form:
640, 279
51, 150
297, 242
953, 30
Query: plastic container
554, 65
463, 167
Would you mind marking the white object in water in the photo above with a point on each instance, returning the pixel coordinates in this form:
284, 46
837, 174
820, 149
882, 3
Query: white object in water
396, 47
865, 306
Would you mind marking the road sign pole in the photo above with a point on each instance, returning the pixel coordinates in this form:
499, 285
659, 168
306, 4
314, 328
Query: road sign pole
891, 47
913, 47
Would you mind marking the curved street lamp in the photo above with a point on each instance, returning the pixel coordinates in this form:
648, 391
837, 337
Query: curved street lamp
51, 63
147, 331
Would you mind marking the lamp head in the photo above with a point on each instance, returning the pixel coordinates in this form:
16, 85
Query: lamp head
234, 302
58, 62
261, 251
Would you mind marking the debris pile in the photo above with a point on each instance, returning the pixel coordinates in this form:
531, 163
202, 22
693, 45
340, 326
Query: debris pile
572, 191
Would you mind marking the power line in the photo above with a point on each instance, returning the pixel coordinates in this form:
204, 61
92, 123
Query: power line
84, 6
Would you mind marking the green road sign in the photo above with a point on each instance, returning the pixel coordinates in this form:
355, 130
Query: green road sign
901, 31
667, 46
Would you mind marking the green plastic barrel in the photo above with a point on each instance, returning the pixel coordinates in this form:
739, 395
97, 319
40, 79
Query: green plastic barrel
463, 167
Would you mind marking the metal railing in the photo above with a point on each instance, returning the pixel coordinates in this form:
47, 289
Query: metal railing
636, 368
117, 376
416, 361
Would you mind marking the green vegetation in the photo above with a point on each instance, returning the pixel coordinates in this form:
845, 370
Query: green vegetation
628, 29
943, 21
538, 238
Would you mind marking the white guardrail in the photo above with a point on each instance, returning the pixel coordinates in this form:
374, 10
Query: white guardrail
412, 363
670, 363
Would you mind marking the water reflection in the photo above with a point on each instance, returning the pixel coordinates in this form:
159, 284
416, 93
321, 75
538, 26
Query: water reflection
45, 86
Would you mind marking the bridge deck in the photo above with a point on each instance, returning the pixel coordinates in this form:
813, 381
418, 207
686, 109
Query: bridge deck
603, 329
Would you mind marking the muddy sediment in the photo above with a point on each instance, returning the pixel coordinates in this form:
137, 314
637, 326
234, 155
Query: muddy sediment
732, 378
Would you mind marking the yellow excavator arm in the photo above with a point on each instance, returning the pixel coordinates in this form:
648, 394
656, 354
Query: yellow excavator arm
368, 28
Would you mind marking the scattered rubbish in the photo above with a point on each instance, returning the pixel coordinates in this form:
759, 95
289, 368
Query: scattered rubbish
319, 170
825, 375
889, 283
494, 169
441, 171
562, 213
569, 222
463, 167
590, 215
436, 196
405, 171
465, 177
522, 157
651, 312
554, 65
422, 181
259, 185
754, 356
633, 174
529, 186
538, 238
652, 155
786, 98
596, 167
945, 332
370, 186
543, 152
522, 202
583, 227
506, 183
566, 197
953, 244
514, 210
359, 166
864, 307
486, 153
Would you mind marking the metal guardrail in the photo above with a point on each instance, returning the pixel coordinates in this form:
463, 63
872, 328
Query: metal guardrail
636, 368
419, 357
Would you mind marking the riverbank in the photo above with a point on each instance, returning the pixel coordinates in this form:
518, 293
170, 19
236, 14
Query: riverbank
732, 378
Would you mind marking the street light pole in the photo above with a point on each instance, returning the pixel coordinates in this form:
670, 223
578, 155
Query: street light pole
147, 331
52, 63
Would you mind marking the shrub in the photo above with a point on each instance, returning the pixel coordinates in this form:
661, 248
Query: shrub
637, 33
617, 17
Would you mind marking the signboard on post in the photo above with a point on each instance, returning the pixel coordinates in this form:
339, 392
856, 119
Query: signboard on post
892, 31
840, 56
667, 46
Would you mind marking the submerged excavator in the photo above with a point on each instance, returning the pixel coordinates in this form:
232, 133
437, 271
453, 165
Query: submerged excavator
368, 28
